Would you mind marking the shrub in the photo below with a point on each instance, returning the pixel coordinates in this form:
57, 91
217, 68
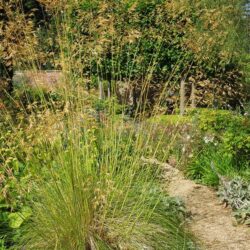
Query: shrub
232, 132
224, 139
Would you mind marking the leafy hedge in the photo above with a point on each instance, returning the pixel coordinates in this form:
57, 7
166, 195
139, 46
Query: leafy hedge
146, 43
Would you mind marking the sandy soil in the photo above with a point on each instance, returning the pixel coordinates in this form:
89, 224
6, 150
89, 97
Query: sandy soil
211, 223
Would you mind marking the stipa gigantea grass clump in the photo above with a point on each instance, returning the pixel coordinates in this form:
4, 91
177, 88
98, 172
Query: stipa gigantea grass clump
98, 195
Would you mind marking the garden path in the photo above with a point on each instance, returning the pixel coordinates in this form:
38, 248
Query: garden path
211, 223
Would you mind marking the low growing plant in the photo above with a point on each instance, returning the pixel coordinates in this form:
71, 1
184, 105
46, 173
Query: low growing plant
236, 193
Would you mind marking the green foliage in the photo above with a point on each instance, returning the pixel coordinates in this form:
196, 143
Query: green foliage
200, 167
214, 120
230, 130
35, 99
2, 247
110, 106
236, 193
18, 218
176, 120
13, 183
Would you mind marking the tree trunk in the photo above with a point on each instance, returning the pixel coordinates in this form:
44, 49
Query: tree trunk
192, 97
182, 98
109, 89
101, 97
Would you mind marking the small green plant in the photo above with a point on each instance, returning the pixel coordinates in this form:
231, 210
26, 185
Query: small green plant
236, 193
199, 169
2, 245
